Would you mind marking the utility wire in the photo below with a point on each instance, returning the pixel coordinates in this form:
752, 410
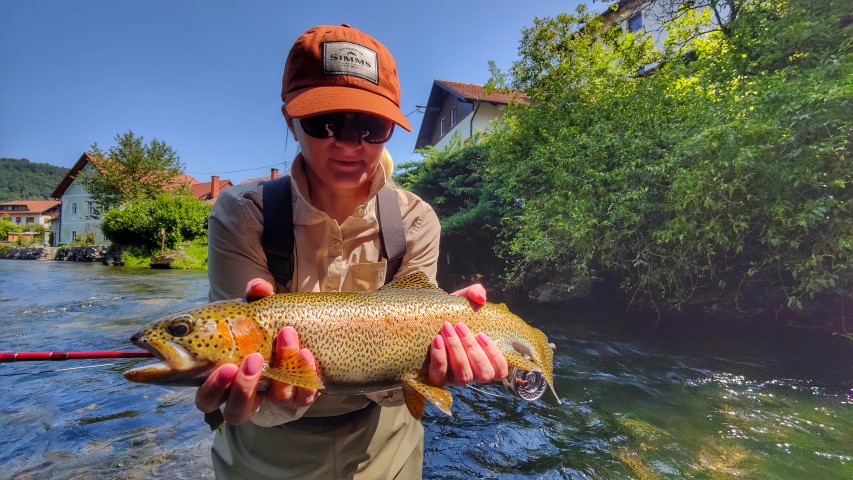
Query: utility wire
235, 171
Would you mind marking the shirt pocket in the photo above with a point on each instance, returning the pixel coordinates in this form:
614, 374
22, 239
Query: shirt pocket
366, 277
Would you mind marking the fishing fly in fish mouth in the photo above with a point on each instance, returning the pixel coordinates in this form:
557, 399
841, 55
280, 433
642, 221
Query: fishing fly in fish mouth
354, 350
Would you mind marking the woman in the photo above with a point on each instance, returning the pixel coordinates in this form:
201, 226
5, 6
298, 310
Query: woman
341, 101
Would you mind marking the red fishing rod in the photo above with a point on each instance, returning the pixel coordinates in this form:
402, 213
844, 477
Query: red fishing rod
6, 357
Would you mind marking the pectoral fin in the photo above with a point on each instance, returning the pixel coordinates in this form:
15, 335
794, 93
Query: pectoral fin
289, 366
415, 392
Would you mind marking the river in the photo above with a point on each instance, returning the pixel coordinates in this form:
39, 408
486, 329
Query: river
634, 404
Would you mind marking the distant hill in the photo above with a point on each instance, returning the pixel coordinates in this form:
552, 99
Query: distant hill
21, 179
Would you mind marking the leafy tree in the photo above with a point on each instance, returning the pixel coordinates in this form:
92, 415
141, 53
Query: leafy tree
139, 223
725, 167
6, 227
452, 179
132, 171
21, 179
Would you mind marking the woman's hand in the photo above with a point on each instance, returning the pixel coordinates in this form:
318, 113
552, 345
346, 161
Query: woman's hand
458, 357
237, 387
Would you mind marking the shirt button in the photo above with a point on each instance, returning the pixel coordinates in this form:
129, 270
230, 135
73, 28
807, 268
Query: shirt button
336, 243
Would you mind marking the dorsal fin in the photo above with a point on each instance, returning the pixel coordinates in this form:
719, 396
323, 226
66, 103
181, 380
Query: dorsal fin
413, 281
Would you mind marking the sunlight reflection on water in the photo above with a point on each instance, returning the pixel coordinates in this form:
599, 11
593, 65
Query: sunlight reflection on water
631, 407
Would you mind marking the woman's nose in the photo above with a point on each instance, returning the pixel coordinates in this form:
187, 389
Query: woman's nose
348, 132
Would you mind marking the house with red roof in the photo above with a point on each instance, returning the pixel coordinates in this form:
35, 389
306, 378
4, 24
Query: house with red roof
209, 191
456, 108
28, 213
79, 213
272, 176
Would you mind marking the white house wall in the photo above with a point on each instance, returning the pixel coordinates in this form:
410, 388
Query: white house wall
82, 221
483, 117
655, 13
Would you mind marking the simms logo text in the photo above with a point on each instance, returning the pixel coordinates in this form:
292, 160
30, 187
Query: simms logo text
351, 57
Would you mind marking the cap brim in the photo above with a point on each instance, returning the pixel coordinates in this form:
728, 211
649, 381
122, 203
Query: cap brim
317, 100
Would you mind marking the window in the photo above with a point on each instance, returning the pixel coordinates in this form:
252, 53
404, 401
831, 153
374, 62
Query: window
453, 116
73, 235
31, 220
73, 208
17, 219
635, 23
90, 208
442, 126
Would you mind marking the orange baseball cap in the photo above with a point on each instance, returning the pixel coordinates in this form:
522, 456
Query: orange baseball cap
341, 69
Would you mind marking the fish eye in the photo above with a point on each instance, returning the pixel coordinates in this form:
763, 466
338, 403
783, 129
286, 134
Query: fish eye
180, 327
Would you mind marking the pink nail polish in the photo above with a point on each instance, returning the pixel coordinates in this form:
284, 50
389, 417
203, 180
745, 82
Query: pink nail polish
252, 365
447, 330
438, 343
226, 376
289, 336
483, 339
463, 330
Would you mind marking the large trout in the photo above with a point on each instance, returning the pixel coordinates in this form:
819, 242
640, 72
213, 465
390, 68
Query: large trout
362, 342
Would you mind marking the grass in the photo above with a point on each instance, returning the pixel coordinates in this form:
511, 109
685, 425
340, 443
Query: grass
192, 255
195, 255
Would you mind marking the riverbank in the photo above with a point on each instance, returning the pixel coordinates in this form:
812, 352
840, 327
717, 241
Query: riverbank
75, 253
189, 255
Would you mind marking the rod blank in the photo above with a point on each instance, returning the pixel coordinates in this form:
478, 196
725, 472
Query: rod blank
6, 357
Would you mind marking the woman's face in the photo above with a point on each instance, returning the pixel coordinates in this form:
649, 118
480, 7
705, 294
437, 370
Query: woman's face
341, 162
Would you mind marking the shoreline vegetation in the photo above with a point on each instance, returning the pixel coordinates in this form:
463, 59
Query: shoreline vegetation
189, 255
709, 175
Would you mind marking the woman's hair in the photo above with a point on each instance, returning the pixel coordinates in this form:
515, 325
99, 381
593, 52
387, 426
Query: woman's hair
388, 166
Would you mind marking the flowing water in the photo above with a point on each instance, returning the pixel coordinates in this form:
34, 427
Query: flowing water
634, 405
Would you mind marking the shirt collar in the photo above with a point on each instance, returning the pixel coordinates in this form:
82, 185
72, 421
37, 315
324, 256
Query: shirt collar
300, 178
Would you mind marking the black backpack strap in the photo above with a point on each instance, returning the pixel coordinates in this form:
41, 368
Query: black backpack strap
278, 238
278, 228
392, 233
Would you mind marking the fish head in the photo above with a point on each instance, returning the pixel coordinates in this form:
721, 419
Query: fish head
193, 343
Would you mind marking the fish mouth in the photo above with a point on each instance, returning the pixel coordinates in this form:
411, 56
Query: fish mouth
176, 365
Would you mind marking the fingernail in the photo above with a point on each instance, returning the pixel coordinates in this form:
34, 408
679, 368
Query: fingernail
463, 330
438, 342
447, 330
288, 334
252, 365
226, 375
483, 339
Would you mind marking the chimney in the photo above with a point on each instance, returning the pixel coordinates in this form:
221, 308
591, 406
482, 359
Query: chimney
214, 186
273, 173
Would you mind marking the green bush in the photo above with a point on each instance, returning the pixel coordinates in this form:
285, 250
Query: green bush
7, 226
727, 165
182, 217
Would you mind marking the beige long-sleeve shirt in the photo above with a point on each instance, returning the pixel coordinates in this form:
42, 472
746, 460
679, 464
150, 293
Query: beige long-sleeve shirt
329, 257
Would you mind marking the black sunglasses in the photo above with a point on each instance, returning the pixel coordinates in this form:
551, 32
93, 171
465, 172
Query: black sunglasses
371, 129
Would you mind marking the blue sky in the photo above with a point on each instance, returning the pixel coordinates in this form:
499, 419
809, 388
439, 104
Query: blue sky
205, 76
